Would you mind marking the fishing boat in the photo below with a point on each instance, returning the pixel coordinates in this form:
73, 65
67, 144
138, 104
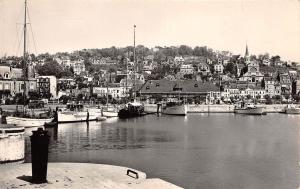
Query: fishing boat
131, 109
249, 109
24, 119
174, 108
292, 109
76, 112
134, 108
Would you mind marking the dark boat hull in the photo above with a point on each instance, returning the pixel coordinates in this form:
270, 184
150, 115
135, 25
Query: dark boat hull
124, 113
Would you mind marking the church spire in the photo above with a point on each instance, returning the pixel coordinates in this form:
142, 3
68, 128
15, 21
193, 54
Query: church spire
247, 57
247, 52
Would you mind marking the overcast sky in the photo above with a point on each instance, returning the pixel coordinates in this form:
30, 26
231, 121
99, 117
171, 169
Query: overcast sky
65, 25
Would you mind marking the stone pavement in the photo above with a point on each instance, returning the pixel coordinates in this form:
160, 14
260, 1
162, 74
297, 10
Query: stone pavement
78, 175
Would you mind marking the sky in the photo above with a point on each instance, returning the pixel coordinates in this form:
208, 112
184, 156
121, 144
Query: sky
271, 26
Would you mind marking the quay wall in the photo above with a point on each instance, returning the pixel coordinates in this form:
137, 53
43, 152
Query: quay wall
215, 108
219, 108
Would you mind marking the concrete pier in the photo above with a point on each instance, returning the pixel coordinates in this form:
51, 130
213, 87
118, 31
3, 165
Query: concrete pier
12, 143
79, 175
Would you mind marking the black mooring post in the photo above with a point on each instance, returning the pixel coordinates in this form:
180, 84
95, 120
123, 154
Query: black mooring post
39, 155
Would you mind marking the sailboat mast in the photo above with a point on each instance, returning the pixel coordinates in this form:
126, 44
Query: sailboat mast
24, 54
134, 70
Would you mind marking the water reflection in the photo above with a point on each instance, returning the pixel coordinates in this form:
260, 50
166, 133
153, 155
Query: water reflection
196, 151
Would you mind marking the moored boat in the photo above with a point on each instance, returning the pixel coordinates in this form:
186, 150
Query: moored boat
27, 122
132, 109
75, 113
174, 108
249, 109
292, 109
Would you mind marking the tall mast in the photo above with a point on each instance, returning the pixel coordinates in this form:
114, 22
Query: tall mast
134, 70
24, 54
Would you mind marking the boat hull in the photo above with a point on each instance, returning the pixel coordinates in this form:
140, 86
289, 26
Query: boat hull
124, 113
27, 122
250, 111
175, 110
109, 114
292, 111
71, 117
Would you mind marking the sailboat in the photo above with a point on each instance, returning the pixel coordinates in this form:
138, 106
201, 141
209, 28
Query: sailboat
23, 119
134, 108
109, 111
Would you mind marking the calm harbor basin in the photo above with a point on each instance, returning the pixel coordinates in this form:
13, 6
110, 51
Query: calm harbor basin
196, 151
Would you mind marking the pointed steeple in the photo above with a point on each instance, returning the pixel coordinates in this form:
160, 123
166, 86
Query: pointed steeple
247, 52
247, 57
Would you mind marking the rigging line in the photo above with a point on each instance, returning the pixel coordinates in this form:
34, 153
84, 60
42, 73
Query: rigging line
20, 40
31, 30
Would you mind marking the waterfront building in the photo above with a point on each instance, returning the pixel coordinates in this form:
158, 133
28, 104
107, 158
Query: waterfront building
269, 86
112, 91
297, 90
179, 89
231, 91
277, 89
47, 86
286, 84
253, 92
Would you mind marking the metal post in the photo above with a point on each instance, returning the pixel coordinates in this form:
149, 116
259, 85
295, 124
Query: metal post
39, 155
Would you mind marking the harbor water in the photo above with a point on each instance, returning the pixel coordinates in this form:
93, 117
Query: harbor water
207, 151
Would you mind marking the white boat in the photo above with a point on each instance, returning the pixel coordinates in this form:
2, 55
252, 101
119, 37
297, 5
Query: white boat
76, 113
249, 109
109, 111
27, 122
25, 119
292, 109
174, 108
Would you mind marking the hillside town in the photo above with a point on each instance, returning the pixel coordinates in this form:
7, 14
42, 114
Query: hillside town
199, 75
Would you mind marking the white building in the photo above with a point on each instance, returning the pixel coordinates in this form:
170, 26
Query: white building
270, 87
46, 85
114, 92
186, 69
266, 62
178, 60
78, 66
219, 68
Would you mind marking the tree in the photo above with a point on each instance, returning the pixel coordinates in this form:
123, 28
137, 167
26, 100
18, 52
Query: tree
52, 68
230, 68
268, 99
185, 50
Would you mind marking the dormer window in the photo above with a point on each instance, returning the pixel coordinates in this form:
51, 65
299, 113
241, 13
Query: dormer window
157, 84
147, 87
196, 85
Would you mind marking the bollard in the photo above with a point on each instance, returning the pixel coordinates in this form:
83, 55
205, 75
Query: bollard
39, 155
